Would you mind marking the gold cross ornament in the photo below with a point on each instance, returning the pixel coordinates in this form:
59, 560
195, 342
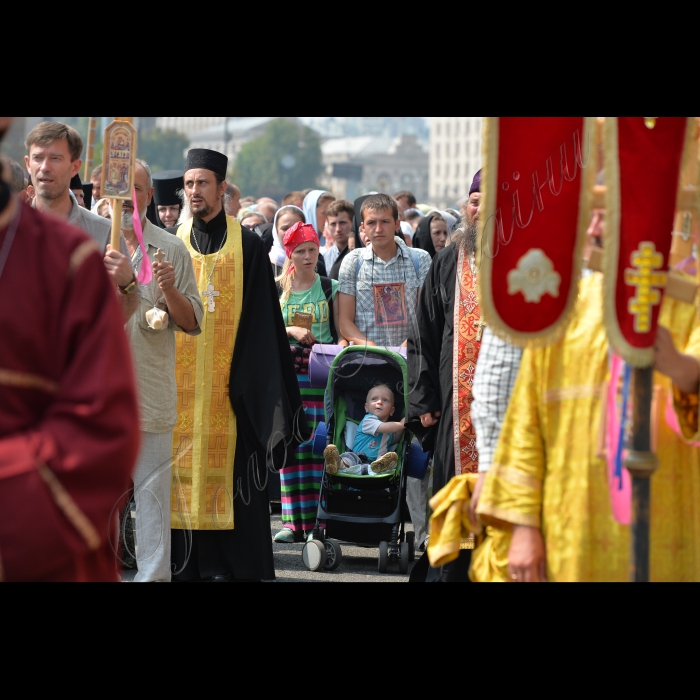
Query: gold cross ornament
648, 280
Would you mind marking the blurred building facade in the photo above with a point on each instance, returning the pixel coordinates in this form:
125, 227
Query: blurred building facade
455, 157
357, 165
188, 125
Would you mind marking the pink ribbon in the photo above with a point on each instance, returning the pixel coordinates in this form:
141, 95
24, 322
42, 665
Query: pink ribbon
146, 272
688, 266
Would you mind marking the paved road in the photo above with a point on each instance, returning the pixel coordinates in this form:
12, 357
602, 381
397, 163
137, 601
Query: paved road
359, 565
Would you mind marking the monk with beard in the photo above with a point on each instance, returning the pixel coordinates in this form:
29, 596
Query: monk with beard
442, 354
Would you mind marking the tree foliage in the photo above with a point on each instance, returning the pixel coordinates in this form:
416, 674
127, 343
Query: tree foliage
163, 150
286, 157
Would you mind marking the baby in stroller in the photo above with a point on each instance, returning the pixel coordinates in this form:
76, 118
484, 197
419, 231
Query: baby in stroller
374, 450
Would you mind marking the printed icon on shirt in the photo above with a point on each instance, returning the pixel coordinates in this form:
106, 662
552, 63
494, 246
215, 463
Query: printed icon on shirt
390, 304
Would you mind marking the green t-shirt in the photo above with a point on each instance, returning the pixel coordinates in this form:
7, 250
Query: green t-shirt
312, 301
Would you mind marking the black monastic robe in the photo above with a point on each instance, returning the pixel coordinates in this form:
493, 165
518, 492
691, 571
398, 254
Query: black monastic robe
431, 389
431, 365
267, 402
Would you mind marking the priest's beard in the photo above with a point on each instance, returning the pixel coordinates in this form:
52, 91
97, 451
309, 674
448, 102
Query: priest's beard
203, 211
466, 238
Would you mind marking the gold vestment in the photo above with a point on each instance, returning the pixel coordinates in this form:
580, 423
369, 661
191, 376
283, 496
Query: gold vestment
548, 474
203, 479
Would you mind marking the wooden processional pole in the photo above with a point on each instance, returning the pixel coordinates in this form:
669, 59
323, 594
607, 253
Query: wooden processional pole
118, 162
90, 153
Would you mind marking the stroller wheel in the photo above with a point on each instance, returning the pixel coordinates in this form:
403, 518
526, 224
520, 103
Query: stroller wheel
383, 557
411, 539
334, 555
404, 562
314, 555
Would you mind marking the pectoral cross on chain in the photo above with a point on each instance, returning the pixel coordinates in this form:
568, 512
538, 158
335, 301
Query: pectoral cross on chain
211, 294
480, 330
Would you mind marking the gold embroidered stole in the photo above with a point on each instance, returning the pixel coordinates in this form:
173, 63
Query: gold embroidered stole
203, 478
467, 337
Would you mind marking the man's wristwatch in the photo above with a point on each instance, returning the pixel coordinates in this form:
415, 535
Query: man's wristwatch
130, 288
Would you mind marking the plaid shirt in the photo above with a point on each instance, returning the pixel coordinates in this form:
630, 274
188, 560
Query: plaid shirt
374, 273
496, 372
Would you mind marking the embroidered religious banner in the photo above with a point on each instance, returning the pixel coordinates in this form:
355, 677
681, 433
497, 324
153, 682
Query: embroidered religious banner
644, 159
537, 187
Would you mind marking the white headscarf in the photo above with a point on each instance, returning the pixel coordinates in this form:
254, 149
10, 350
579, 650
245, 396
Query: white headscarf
311, 208
278, 254
450, 220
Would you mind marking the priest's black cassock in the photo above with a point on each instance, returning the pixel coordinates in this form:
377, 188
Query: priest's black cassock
430, 365
267, 402
431, 390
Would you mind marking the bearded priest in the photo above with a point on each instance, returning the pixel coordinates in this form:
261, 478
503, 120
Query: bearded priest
239, 407
442, 354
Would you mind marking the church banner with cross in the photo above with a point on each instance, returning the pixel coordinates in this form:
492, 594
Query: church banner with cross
537, 188
644, 159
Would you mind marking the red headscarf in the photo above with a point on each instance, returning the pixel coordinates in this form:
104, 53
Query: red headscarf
298, 234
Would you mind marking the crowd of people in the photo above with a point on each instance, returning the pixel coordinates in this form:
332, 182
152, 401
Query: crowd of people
207, 394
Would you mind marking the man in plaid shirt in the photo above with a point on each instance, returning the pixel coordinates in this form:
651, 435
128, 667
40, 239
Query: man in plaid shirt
379, 291
496, 373
380, 284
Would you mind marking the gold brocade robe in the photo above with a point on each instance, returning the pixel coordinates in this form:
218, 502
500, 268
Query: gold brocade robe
547, 472
206, 431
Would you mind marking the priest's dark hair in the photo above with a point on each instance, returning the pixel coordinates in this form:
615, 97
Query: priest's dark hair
47, 132
377, 202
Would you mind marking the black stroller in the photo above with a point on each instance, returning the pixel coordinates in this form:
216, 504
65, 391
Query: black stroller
358, 510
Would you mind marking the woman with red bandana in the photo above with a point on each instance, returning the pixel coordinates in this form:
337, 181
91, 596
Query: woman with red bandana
310, 310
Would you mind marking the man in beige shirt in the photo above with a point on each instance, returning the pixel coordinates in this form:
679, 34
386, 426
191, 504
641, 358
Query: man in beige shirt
170, 303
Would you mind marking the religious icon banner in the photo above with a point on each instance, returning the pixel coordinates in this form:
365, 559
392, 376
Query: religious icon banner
644, 159
537, 189
118, 160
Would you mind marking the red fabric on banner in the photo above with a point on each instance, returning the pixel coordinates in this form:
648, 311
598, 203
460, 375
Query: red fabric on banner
538, 207
650, 169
